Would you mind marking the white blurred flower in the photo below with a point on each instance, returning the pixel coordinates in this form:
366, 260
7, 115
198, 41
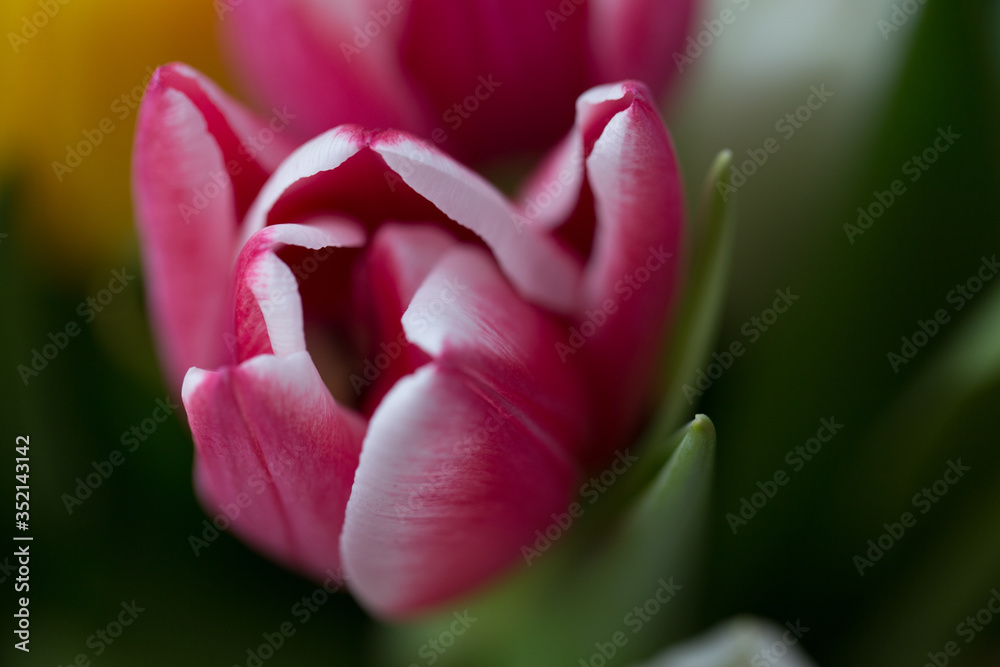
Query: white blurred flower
741, 642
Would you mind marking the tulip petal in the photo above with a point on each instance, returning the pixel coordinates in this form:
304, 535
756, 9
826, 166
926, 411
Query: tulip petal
538, 267
639, 208
487, 65
188, 200
276, 455
334, 162
434, 511
268, 305
628, 219
552, 192
466, 458
466, 316
470, 75
637, 39
406, 254
236, 127
400, 258
306, 55
324, 153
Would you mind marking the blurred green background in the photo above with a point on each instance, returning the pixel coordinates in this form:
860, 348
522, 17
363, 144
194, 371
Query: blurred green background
826, 357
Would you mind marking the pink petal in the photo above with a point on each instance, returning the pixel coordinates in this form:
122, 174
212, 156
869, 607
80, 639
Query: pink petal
472, 76
402, 176
268, 305
637, 39
276, 455
629, 219
639, 204
191, 185
552, 192
638, 196
466, 316
324, 153
539, 268
303, 54
489, 68
399, 260
465, 459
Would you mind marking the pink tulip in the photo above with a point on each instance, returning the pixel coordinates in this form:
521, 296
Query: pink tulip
480, 78
406, 374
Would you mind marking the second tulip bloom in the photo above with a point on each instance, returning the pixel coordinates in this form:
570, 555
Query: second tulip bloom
480, 78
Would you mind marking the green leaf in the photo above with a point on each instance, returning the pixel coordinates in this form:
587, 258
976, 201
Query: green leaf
659, 537
912, 436
957, 574
940, 417
697, 323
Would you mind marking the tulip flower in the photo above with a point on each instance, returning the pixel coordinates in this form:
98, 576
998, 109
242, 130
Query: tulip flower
481, 79
393, 373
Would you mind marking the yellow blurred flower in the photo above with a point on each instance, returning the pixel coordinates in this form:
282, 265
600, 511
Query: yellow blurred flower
72, 73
